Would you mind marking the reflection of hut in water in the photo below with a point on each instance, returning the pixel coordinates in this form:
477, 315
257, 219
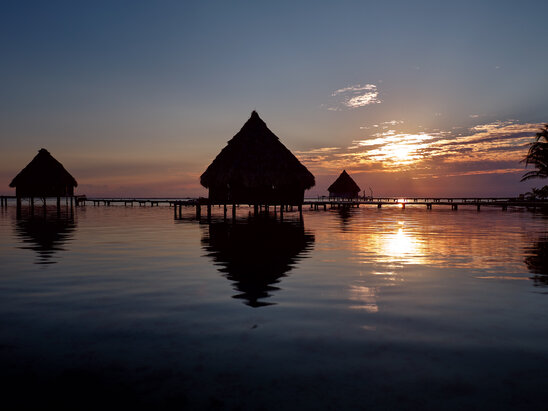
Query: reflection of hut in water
43, 177
45, 234
344, 187
537, 261
256, 168
345, 215
256, 254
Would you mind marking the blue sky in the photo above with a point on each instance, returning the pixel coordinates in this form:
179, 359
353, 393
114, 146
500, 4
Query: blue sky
138, 97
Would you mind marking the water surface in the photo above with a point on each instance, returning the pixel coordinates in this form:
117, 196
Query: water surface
360, 308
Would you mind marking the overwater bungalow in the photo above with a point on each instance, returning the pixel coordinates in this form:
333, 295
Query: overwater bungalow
256, 168
43, 177
344, 187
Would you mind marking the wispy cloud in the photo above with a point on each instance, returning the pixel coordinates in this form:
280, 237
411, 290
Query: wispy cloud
383, 125
354, 97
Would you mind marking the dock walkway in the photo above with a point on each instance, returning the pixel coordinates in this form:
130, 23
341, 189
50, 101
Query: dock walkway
317, 203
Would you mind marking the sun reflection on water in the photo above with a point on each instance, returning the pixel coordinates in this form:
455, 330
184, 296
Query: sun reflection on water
363, 298
394, 244
400, 245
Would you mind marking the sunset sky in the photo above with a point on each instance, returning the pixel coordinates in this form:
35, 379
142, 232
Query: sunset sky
136, 98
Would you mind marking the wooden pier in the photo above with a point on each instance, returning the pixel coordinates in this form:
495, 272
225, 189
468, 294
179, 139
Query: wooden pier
403, 202
34, 203
318, 203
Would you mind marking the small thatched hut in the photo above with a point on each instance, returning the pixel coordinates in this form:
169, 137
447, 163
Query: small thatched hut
44, 176
344, 187
256, 168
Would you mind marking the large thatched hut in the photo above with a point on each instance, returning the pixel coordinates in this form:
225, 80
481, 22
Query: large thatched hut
344, 187
256, 168
44, 177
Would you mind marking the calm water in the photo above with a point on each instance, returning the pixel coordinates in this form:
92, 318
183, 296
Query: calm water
391, 308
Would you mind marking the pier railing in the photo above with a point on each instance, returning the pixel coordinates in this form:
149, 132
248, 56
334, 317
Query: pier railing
315, 203
429, 202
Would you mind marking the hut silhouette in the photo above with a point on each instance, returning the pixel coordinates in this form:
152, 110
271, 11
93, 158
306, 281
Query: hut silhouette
255, 254
344, 187
256, 168
43, 177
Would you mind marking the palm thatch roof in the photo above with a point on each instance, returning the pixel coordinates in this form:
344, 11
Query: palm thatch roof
255, 157
344, 184
44, 176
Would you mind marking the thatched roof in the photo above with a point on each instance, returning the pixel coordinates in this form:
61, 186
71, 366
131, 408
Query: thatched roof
344, 184
43, 171
255, 157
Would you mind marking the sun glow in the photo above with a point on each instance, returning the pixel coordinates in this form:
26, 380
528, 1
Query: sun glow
395, 149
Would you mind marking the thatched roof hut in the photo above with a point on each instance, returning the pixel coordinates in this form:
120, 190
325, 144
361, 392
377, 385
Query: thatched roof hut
256, 168
344, 187
44, 176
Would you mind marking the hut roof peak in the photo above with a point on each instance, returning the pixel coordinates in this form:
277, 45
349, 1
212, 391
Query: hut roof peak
255, 123
344, 183
256, 157
43, 171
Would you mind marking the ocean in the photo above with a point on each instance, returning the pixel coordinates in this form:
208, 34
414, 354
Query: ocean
362, 308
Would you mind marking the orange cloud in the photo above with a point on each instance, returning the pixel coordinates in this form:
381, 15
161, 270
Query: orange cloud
489, 148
